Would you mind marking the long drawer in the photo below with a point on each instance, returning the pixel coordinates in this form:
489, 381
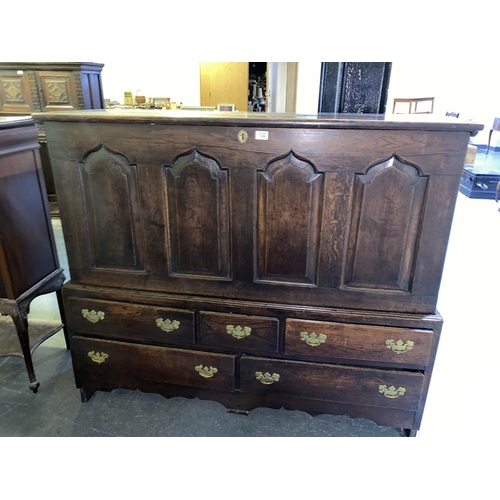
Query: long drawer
135, 322
358, 342
360, 386
159, 364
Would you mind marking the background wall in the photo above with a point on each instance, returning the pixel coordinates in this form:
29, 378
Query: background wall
465, 87
308, 87
178, 80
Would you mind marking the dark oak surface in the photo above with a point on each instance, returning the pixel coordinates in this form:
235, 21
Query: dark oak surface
154, 363
133, 322
345, 173
293, 120
363, 342
338, 223
246, 333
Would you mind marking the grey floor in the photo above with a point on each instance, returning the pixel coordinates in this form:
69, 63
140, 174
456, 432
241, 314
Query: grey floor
465, 372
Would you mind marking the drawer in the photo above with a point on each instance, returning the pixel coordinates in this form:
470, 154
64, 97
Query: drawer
239, 331
358, 342
154, 363
341, 384
135, 322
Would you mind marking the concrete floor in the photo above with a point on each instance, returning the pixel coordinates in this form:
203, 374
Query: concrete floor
466, 368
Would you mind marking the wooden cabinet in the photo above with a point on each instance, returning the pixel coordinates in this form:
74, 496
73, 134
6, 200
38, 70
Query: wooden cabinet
315, 255
28, 87
29, 265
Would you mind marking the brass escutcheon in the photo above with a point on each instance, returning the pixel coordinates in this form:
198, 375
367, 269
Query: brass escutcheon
92, 316
166, 325
205, 371
391, 392
243, 136
313, 340
238, 332
267, 378
98, 357
399, 347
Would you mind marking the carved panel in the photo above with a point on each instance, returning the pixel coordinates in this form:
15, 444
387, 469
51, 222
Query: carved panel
288, 221
112, 210
198, 217
57, 93
13, 90
387, 214
57, 90
14, 93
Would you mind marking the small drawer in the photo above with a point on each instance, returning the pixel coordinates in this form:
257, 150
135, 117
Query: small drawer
123, 321
358, 342
154, 363
341, 384
239, 331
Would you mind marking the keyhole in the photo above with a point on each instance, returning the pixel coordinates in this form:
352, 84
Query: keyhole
242, 136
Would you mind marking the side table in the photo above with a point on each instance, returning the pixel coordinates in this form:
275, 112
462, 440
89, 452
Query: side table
29, 265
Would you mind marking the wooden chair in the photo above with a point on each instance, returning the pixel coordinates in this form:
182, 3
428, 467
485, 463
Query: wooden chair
413, 104
494, 128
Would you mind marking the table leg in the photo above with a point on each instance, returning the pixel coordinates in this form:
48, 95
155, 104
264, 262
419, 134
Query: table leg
20, 319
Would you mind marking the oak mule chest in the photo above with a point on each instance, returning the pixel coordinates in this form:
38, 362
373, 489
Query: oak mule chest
273, 260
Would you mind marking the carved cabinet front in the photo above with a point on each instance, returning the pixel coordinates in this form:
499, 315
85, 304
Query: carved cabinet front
318, 219
301, 270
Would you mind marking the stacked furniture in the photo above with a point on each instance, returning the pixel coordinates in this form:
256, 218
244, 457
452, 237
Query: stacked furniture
29, 265
258, 259
28, 87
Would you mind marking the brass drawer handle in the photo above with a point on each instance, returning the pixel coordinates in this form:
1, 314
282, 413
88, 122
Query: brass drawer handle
98, 357
205, 371
313, 340
92, 316
267, 378
166, 325
391, 392
399, 347
238, 332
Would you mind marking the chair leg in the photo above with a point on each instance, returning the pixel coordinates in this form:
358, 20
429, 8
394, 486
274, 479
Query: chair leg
489, 140
21, 322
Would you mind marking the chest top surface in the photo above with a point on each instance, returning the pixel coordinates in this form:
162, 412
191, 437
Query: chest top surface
322, 120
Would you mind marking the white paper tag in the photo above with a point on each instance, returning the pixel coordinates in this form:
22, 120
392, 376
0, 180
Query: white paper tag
261, 135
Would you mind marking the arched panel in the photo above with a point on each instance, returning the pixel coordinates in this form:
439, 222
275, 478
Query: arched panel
198, 217
289, 201
112, 210
387, 214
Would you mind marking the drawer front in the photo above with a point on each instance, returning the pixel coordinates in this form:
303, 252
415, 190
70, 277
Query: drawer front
239, 331
159, 364
358, 342
123, 321
360, 386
